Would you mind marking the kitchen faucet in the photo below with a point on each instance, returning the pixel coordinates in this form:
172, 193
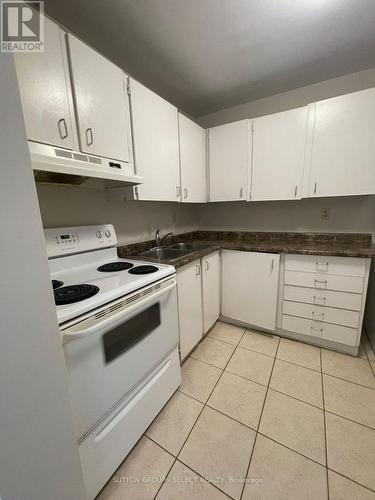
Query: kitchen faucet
159, 240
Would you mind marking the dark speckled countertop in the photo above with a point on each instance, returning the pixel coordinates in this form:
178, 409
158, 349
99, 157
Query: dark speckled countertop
335, 244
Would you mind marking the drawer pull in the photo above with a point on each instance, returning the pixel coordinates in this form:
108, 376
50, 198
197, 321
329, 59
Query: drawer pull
321, 266
314, 314
322, 282
322, 299
318, 330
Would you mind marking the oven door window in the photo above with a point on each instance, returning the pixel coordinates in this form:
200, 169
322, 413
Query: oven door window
123, 337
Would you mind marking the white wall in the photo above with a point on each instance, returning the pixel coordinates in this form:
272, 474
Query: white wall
38, 452
133, 220
292, 99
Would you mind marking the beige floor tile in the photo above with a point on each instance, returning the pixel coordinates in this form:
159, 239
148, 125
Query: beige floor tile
373, 366
283, 474
351, 449
260, 342
251, 365
214, 352
299, 353
295, 424
227, 333
341, 488
239, 398
140, 475
182, 483
348, 368
198, 379
173, 424
219, 448
350, 400
297, 381
368, 348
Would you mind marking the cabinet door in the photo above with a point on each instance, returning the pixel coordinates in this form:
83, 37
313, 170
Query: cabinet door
155, 128
45, 91
229, 157
101, 103
211, 289
343, 146
192, 160
279, 143
189, 292
249, 287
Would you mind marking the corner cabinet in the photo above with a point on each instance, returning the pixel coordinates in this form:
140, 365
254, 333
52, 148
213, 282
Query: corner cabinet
102, 103
155, 129
190, 313
45, 90
279, 143
342, 160
210, 290
250, 287
229, 161
192, 161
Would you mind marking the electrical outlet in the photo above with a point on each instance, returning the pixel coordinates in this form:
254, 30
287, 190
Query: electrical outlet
324, 213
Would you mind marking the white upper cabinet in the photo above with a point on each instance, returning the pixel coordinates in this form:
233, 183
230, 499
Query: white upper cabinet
102, 103
45, 91
343, 145
192, 161
279, 143
229, 159
155, 128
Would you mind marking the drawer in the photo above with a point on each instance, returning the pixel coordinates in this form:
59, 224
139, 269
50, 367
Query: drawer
321, 313
326, 331
347, 266
322, 281
343, 300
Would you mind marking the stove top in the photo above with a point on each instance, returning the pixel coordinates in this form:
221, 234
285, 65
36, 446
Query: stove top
74, 293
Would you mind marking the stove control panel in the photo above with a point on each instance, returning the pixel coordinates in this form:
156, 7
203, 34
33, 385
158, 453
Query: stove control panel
73, 240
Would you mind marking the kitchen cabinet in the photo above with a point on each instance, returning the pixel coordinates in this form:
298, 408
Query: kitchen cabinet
343, 148
210, 290
250, 287
229, 161
189, 293
155, 129
101, 103
279, 142
192, 161
45, 90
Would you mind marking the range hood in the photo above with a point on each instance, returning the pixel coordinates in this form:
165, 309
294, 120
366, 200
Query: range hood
57, 165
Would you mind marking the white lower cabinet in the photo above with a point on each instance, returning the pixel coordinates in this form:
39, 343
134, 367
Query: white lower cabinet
189, 293
211, 289
250, 287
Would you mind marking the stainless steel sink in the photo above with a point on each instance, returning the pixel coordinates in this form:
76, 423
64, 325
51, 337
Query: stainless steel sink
191, 247
165, 253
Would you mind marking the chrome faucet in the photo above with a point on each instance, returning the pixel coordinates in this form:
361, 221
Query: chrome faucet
158, 240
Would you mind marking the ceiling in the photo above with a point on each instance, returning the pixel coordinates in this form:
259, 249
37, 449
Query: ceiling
206, 55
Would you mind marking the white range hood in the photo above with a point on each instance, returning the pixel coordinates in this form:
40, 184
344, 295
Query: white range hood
53, 164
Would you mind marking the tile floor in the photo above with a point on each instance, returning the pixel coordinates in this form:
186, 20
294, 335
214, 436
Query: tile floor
259, 417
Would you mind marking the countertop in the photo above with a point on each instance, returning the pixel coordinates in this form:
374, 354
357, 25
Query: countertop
334, 244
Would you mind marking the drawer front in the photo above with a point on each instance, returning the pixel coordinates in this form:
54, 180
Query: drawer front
347, 266
322, 281
343, 300
326, 331
321, 313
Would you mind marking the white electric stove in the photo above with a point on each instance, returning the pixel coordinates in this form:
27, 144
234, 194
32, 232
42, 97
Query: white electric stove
119, 326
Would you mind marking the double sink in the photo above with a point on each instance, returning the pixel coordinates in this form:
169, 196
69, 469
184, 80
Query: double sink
174, 251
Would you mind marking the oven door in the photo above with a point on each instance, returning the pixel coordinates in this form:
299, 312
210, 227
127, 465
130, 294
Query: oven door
114, 348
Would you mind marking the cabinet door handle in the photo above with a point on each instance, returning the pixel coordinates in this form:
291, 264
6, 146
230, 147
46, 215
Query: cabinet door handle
315, 187
318, 330
89, 136
185, 193
272, 265
323, 299
315, 313
63, 129
197, 270
178, 191
322, 282
295, 191
206, 265
241, 192
320, 265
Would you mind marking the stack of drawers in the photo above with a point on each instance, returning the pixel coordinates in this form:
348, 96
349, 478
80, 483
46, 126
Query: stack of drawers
324, 297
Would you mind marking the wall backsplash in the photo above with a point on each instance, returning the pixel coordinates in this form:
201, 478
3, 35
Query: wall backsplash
138, 221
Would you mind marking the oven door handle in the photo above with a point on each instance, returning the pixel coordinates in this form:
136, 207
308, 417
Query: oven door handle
79, 333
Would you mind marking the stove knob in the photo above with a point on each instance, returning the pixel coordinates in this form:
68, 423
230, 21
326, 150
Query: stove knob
108, 233
99, 234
